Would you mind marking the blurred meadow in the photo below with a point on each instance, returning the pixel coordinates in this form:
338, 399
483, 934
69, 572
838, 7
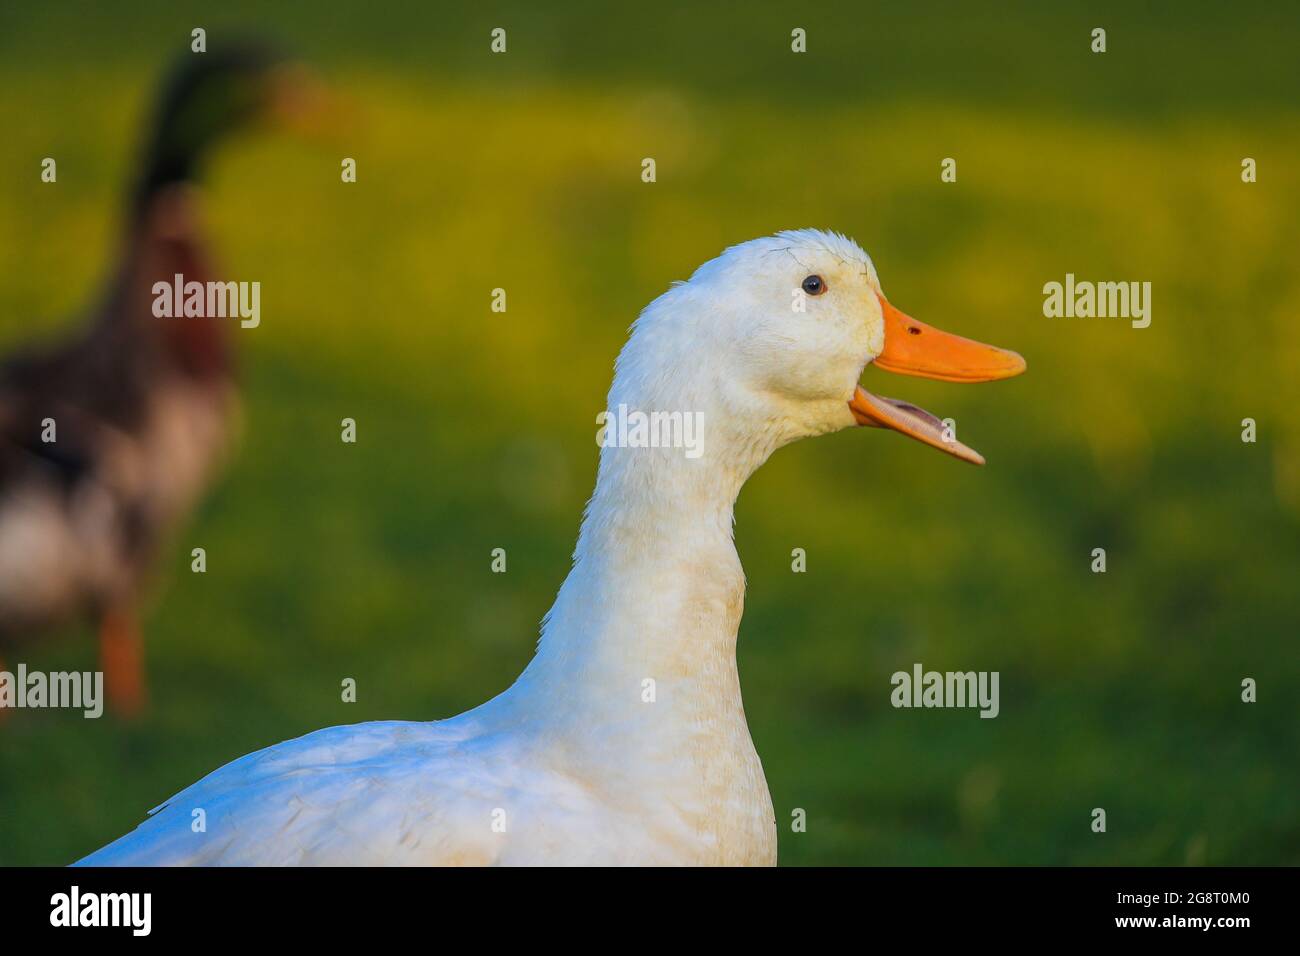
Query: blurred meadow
476, 429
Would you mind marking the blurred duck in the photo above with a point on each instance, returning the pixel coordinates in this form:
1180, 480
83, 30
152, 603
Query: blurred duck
109, 439
624, 741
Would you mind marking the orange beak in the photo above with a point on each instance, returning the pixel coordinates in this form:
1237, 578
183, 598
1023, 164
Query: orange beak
914, 348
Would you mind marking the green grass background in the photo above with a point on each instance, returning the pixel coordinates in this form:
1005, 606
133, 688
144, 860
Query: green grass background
476, 429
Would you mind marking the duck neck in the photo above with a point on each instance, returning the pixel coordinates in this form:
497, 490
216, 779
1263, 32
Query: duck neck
165, 243
646, 621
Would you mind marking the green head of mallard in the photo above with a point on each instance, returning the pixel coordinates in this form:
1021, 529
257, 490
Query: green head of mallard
211, 96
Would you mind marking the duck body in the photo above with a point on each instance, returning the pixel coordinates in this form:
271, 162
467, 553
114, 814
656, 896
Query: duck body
139, 416
624, 741
457, 792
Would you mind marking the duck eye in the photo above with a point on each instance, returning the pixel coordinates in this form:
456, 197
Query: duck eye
813, 285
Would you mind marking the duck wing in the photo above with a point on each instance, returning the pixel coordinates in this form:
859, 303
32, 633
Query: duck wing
380, 793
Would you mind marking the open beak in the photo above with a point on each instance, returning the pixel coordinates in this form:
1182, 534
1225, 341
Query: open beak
914, 348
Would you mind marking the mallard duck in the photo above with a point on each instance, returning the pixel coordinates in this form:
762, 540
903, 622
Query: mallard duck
624, 741
107, 440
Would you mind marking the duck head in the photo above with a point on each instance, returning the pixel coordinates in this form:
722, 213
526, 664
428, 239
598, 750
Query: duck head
789, 323
211, 96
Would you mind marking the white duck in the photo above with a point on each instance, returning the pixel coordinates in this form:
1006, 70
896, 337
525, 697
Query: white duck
572, 764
